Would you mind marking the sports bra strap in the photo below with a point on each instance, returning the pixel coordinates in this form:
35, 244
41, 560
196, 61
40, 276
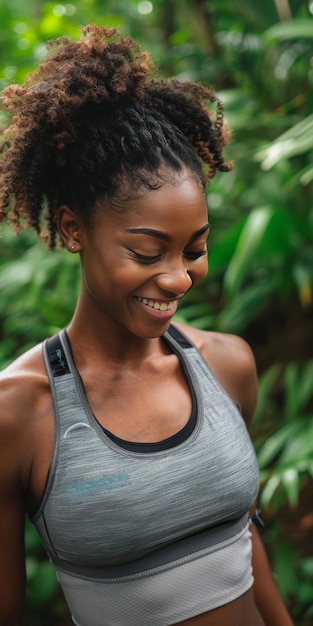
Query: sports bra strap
57, 357
179, 336
59, 363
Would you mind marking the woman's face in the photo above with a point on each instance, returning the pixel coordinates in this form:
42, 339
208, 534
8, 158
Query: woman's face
138, 263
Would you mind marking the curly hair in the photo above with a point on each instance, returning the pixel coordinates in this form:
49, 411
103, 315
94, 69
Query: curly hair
92, 116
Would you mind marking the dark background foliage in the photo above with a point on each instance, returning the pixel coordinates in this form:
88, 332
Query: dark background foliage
259, 57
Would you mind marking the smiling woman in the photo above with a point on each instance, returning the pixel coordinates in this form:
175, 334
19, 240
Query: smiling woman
124, 437
139, 263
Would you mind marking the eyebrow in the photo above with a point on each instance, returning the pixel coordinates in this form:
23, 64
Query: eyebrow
159, 234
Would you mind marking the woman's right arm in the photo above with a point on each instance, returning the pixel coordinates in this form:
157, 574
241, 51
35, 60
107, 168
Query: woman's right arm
12, 507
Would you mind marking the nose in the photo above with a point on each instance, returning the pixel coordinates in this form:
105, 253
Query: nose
176, 281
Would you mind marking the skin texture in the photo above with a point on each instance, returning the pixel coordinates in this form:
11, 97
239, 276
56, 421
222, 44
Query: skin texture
131, 367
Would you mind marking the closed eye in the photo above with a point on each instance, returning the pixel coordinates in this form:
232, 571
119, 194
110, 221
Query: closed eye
146, 259
193, 256
149, 259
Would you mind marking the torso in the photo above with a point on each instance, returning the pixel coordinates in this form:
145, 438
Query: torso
138, 391
240, 612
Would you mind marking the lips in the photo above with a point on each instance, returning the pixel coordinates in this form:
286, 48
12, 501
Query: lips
155, 304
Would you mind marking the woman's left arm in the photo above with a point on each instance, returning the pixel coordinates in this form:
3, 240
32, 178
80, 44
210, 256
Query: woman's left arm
267, 597
239, 379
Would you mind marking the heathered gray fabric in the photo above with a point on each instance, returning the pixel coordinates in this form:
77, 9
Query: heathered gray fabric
106, 506
189, 588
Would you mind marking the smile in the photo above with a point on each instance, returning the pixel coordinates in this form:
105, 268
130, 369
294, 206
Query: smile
159, 306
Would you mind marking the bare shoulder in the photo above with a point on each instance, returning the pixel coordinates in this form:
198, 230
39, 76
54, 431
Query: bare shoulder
23, 387
20, 380
216, 347
231, 360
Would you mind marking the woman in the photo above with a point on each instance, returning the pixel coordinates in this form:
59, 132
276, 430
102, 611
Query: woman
124, 437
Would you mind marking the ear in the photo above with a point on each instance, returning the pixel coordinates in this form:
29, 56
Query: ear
69, 228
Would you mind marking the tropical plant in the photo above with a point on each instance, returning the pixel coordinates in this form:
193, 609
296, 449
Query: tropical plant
260, 283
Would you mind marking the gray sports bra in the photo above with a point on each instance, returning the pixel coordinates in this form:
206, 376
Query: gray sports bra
152, 535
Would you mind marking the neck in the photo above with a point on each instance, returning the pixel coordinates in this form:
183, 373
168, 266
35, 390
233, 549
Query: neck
102, 340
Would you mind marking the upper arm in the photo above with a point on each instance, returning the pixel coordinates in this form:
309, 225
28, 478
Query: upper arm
12, 516
12, 562
267, 596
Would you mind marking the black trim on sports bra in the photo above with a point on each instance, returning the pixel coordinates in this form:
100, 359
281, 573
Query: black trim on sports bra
157, 446
181, 435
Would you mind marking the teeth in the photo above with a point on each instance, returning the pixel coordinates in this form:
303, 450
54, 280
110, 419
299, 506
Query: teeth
160, 306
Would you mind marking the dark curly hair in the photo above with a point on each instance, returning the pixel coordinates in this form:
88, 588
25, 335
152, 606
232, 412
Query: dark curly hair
92, 116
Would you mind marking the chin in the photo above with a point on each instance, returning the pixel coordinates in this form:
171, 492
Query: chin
155, 333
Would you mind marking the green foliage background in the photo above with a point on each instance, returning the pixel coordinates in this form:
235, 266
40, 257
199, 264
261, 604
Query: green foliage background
259, 57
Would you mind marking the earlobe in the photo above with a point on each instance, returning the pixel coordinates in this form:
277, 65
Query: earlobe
69, 228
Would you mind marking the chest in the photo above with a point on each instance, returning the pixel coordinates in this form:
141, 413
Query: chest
142, 407
107, 505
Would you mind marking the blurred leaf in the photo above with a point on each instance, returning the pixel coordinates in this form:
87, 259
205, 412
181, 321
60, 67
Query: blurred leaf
266, 383
221, 252
306, 175
298, 385
303, 279
300, 29
248, 243
268, 491
297, 140
275, 443
307, 566
299, 450
244, 306
291, 484
42, 579
284, 567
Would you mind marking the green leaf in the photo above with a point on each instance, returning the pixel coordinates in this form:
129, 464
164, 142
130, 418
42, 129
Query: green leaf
291, 386
284, 556
299, 450
266, 382
269, 490
298, 386
42, 580
307, 567
224, 246
306, 175
296, 140
275, 443
293, 29
291, 483
244, 306
305, 388
249, 241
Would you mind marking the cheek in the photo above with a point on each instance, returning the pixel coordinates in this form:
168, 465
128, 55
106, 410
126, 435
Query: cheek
199, 273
